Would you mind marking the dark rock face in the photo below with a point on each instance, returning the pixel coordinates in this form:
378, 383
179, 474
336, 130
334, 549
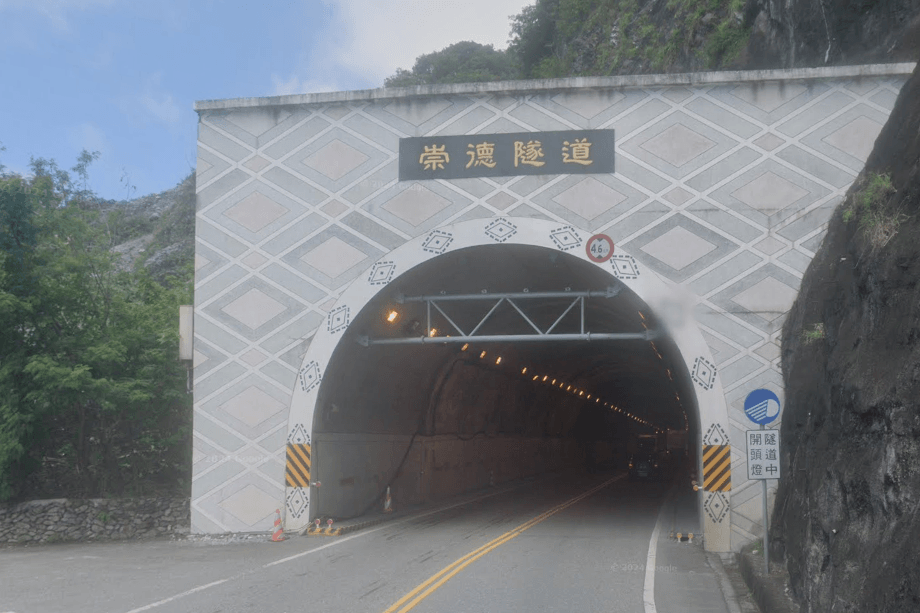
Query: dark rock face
799, 33
846, 514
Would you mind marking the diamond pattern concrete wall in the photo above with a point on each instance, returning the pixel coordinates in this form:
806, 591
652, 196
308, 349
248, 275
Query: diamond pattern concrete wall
724, 183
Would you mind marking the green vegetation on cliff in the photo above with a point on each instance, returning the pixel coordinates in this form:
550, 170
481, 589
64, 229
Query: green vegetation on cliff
562, 38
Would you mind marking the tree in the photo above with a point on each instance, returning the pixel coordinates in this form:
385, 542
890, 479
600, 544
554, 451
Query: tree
463, 62
92, 397
533, 33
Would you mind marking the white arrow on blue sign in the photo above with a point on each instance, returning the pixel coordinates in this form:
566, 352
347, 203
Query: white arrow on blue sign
761, 406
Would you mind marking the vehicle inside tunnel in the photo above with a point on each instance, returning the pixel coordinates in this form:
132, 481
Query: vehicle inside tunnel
496, 363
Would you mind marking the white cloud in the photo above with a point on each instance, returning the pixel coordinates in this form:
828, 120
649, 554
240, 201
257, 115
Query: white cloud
370, 39
296, 85
55, 10
89, 136
159, 103
153, 103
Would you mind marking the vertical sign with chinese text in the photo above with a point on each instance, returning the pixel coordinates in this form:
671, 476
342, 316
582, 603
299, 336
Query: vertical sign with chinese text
762, 454
497, 155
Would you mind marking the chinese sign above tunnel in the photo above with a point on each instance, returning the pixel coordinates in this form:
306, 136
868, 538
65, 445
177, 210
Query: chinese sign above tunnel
498, 155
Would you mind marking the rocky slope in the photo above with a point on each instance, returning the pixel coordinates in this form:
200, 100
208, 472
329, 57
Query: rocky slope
799, 33
155, 231
846, 513
557, 38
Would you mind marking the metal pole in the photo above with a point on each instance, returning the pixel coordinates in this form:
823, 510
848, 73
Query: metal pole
510, 338
610, 292
766, 528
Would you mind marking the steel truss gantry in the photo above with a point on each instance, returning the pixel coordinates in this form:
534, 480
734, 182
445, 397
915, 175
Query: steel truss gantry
539, 335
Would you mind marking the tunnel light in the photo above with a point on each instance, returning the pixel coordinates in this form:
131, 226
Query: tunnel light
641, 315
581, 393
482, 355
545, 377
589, 396
554, 382
669, 375
568, 389
597, 400
498, 360
524, 371
392, 316
433, 332
535, 377
465, 347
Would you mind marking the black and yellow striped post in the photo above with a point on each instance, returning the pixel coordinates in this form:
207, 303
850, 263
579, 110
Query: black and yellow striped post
717, 468
297, 472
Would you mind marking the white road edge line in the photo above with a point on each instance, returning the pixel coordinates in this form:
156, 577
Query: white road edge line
178, 596
648, 593
321, 547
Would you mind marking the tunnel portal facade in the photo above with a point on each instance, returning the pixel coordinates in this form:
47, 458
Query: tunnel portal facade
309, 206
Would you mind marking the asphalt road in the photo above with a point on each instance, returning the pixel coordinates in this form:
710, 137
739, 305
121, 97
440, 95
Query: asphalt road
581, 544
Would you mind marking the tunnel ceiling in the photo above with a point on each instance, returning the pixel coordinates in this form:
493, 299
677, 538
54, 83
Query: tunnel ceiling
633, 374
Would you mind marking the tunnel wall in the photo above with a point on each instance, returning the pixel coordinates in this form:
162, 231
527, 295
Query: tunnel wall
723, 186
355, 469
476, 426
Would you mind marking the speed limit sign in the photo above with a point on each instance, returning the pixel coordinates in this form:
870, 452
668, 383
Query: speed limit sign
599, 248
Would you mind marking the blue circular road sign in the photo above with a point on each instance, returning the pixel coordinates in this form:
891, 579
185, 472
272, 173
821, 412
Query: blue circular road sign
761, 406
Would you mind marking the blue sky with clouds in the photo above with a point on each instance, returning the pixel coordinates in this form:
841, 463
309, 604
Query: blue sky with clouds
120, 76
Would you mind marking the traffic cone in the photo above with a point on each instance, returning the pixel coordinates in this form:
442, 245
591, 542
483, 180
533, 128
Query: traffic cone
278, 532
388, 502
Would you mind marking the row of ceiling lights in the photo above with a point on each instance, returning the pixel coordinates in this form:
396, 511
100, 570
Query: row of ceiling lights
572, 390
392, 316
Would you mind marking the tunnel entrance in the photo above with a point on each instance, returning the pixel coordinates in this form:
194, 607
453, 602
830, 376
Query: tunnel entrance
435, 384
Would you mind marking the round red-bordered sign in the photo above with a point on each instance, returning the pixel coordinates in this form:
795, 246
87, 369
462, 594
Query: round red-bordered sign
599, 248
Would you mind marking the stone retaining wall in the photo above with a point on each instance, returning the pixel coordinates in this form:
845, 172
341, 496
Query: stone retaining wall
43, 521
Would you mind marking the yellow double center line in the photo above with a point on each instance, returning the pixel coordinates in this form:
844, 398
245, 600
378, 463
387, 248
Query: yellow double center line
408, 602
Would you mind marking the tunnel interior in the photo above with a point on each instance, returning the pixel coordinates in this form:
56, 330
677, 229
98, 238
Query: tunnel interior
437, 419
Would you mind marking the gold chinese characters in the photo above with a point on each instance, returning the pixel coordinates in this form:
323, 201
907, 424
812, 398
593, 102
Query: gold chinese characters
577, 152
434, 157
481, 155
524, 153
528, 154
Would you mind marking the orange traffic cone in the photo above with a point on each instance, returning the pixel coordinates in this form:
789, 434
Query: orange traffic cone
278, 532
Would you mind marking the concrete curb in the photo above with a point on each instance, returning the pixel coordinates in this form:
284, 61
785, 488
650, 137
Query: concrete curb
770, 591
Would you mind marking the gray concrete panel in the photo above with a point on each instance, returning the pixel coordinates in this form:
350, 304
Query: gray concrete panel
220, 188
470, 122
813, 165
218, 378
220, 239
373, 230
300, 329
296, 138
716, 114
294, 233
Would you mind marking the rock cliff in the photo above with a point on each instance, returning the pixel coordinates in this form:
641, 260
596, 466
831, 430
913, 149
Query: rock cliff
846, 514
798, 33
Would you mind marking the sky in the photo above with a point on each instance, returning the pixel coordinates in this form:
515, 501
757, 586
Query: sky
121, 76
